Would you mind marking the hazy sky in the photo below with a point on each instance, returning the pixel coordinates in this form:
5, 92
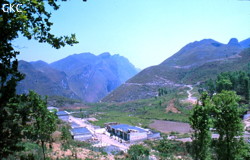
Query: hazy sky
145, 31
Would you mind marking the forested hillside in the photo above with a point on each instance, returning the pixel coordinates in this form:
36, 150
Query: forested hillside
235, 81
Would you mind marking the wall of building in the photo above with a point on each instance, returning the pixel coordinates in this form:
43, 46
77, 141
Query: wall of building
82, 137
64, 118
135, 136
154, 135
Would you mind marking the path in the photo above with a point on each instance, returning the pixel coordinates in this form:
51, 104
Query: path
189, 91
190, 99
105, 140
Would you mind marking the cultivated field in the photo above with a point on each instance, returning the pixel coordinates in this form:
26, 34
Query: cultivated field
170, 126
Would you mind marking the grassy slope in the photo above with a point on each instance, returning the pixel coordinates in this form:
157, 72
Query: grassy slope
212, 69
157, 75
141, 112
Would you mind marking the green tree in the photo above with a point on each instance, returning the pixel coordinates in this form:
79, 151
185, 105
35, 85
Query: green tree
32, 22
223, 82
227, 123
210, 87
162, 92
30, 120
65, 137
245, 86
201, 122
42, 122
165, 148
138, 152
248, 69
238, 81
247, 90
15, 116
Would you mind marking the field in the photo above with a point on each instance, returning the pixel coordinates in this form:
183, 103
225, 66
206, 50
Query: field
169, 126
141, 112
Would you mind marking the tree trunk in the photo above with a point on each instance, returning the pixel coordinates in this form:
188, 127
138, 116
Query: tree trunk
43, 147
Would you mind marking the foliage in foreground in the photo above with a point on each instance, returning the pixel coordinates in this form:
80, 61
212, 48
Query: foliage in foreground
201, 122
32, 120
222, 113
32, 22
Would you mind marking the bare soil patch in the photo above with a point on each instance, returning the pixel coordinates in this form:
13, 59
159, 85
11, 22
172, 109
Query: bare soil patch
170, 126
171, 107
92, 119
191, 100
82, 153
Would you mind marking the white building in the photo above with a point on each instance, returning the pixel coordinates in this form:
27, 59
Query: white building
131, 133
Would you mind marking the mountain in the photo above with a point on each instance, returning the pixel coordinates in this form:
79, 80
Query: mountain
43, 79
245, 43
84, 76
198, 53
195, 62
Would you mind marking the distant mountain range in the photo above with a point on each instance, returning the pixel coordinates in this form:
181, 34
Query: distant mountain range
195, 62
81, 76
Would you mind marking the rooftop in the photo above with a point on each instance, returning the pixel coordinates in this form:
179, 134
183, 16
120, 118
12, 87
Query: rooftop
74, 125
246, 116
62, 113
80, 131
126, 128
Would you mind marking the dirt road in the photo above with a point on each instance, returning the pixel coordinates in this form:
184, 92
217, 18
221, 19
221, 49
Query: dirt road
190, 99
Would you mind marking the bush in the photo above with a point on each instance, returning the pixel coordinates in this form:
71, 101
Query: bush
137, 152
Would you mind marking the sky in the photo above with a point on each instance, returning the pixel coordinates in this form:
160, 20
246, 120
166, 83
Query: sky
145, 31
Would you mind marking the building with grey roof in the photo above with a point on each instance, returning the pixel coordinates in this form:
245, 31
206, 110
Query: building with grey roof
128, 132
74, 125
131, 133
63, 115
81, 134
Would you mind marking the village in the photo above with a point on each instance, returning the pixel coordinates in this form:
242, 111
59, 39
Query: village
114, 137
117, 137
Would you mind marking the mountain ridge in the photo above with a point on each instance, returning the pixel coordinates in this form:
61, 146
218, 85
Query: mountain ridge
198, 52
85, 76
182, 68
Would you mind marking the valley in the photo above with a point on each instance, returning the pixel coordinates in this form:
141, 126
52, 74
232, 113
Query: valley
124, 80
113, 92
162, 98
